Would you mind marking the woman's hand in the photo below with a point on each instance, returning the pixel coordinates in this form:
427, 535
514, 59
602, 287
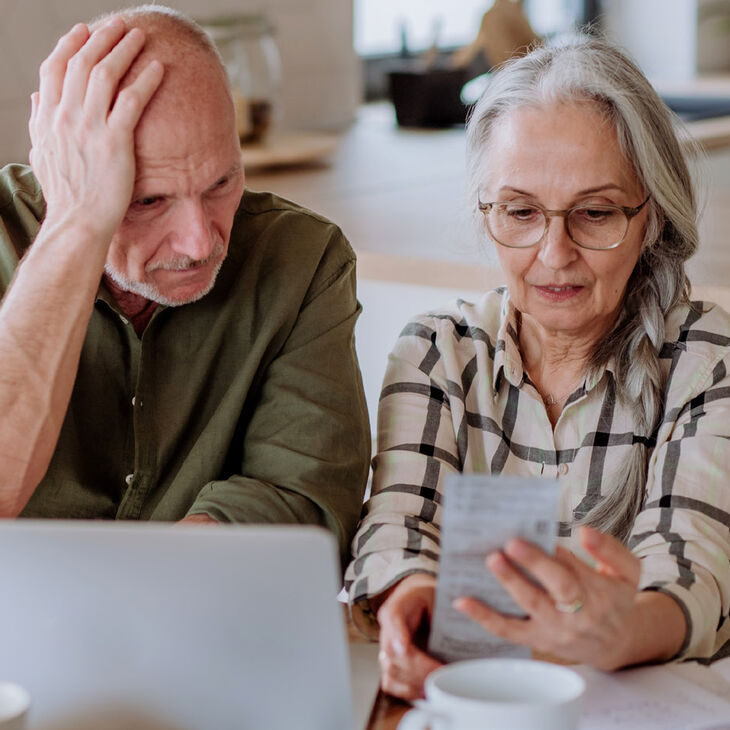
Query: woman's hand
81, 126
405, 613
582, 613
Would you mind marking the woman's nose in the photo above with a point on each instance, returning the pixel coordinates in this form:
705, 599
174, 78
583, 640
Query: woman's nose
557, 249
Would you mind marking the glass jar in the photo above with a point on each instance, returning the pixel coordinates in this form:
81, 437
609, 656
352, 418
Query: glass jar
251, 57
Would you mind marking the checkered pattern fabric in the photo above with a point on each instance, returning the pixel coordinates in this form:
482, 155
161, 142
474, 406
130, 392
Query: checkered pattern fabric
456, 398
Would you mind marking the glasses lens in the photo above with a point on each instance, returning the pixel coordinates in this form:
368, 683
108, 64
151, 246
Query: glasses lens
597, 226
515, 224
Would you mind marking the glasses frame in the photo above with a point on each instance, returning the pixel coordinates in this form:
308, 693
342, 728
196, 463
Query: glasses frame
630, 213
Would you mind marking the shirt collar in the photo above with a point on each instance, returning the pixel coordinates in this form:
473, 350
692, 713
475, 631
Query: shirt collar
508, 359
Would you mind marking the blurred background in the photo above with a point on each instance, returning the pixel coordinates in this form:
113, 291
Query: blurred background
316, 81
336, 53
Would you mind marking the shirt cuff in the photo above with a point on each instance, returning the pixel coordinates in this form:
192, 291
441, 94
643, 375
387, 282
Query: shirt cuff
699, 641
364, 587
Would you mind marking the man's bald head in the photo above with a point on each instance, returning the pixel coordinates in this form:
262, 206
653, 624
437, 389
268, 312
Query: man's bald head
194, 70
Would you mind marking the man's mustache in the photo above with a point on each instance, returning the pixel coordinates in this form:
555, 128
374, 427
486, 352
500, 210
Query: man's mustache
185, 262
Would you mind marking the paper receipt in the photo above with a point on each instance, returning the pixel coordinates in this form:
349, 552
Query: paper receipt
481, 513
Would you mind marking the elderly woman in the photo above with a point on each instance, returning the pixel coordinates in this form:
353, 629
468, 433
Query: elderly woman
591, 367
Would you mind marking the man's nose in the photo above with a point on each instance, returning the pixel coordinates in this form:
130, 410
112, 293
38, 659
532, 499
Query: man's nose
194, 233
557, 249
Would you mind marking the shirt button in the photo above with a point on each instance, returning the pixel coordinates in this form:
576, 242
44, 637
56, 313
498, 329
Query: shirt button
563, 469
134, 400
129, 479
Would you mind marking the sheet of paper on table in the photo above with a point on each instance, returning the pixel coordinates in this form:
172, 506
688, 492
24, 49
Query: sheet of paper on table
670, 697
481, 513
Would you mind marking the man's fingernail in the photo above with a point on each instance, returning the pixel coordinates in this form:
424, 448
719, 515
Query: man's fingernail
398, 647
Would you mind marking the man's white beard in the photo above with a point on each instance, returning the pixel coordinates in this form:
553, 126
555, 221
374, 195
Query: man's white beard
151, 292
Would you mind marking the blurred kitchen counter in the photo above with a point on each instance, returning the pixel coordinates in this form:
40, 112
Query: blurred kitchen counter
391, 190
713, 133
399, 196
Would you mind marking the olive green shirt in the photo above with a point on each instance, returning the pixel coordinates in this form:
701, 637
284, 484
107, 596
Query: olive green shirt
246, 406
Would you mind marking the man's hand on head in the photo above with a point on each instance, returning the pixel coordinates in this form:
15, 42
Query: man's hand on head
82, 127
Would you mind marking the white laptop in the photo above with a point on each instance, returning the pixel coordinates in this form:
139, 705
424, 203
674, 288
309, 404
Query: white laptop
120, 626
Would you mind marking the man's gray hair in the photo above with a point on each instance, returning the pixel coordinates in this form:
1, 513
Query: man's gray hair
592, 70
185, 27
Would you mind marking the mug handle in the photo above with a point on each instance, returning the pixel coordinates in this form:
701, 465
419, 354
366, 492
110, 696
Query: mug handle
419, 718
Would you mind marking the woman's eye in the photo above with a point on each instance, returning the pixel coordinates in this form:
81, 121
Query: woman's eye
521, 214
596, 215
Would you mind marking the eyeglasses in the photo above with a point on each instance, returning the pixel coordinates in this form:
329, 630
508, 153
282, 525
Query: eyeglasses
521, 225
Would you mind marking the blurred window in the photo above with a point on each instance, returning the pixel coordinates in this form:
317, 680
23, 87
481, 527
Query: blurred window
382, 26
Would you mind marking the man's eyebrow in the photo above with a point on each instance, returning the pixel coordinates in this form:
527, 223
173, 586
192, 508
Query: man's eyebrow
233, 170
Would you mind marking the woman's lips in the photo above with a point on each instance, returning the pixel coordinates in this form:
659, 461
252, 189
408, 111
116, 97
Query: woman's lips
559, 293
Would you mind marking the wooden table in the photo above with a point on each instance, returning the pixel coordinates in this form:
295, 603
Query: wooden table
387, 713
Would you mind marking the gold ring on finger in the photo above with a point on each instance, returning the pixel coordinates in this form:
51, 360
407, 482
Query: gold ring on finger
572, 607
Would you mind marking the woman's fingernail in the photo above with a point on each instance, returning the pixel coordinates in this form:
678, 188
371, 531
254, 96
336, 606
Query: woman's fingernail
398, 647
517, 549
496, 562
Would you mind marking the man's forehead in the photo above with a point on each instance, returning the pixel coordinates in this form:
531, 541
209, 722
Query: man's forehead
161, 176
180, 136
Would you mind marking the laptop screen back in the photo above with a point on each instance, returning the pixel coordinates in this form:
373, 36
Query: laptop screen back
173, 628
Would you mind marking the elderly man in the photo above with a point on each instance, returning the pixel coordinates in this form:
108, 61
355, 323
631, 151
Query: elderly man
172, 348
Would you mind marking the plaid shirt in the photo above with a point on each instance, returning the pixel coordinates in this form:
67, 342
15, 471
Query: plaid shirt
456, 398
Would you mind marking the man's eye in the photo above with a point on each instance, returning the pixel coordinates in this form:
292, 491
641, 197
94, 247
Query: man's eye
147, 202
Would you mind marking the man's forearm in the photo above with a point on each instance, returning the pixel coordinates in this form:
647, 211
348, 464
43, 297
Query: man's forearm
43, 322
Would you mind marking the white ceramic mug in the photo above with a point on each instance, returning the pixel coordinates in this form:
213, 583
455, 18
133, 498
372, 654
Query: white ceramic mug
14, 704
499, 694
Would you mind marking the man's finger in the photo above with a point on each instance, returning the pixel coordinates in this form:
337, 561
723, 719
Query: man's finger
53, 69
79, 67
613, 557
108, 72
132, 100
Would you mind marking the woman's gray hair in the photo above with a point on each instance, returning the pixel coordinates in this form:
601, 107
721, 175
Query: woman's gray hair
592, 70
